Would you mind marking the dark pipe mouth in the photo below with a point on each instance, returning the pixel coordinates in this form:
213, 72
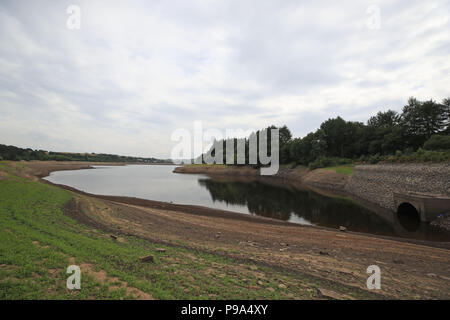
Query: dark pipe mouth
408, 216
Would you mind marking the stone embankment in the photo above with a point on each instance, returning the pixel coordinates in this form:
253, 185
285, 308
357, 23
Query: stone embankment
377, 183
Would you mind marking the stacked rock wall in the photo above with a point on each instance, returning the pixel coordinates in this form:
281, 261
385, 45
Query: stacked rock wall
377, 183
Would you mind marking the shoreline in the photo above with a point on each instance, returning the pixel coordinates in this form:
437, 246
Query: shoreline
224, 214
335, 259
44, 168
300, 176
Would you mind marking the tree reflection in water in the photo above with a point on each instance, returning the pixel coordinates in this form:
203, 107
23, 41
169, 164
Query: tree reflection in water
284, 203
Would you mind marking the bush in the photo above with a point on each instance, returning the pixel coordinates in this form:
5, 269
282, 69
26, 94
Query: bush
437, 143
60, 158
375, 159
421, 156
323, 162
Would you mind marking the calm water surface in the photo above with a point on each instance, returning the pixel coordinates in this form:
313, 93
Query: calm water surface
158, 182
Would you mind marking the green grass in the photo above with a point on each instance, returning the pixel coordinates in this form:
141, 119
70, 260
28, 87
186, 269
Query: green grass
38, 241
344, 169
31, 211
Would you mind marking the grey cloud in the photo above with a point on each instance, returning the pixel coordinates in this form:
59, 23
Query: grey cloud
139, 69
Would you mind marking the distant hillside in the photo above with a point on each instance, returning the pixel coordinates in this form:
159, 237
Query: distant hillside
16, 154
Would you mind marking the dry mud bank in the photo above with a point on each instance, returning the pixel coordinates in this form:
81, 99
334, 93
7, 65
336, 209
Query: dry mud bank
41, 169
301, 176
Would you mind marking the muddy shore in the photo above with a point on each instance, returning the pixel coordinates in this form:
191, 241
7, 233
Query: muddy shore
300, 176
410, 269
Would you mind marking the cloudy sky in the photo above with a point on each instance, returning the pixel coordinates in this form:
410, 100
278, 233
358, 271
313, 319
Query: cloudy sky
137, 70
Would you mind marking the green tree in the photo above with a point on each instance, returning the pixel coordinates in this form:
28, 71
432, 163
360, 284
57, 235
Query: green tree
446, 106
318, 145
387, 134
335, 135
387, 119
285, 141
423, 119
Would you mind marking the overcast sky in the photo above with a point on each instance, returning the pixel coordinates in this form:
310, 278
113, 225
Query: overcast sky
137, 70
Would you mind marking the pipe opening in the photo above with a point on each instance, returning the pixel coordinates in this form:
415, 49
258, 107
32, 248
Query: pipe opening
408, 216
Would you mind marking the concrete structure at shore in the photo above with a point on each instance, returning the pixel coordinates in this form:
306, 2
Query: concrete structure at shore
422, 189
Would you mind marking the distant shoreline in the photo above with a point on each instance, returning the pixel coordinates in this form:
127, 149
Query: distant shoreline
43, 169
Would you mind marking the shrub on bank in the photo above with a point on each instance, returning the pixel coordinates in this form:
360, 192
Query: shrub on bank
420, 155
323, 162
437, 143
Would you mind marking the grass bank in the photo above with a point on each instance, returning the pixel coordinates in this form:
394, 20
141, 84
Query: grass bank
38, 241
344, 169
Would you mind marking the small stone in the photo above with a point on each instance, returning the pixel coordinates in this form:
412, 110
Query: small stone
324, 253
113, 237
253, 268
343, 229
431, 275
160, 250
271, 289
331, 294
260, 282
217, 236
147, 259
282, 286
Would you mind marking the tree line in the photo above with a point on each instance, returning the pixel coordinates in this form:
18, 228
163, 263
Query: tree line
16, 154
389, 135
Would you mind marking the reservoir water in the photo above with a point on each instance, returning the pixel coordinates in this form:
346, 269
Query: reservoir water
158, 182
